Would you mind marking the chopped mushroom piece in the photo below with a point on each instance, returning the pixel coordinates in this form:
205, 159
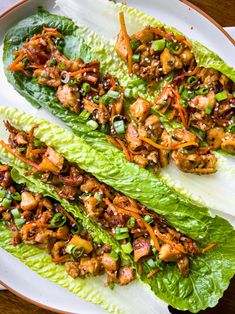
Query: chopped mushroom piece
169, 62
183, 265
228, 143
28, 201
132, 137
125, 275
186, 136
72, 269
215, 136
89, 266
52, 161
108, 262
69, 97
168, 253
140, 109
141, 248
201, 102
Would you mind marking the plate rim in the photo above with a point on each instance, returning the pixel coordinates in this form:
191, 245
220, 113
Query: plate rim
14, 7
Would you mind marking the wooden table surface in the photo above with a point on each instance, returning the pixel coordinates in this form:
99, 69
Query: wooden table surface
224, 13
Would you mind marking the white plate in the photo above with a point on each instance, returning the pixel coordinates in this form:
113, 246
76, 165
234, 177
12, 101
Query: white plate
14, 274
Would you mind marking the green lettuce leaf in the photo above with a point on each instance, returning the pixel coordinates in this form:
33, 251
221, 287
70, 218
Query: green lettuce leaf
210, 273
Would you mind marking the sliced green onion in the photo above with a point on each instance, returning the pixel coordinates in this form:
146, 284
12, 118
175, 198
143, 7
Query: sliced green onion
16, 196
119, 126
176, 49
181, 88
105, 100
183, 102
131, 222
233, 93
151, 263
3, 193
6, 202
113, 94
86, 87
77, 229
148, 219
21, 149
75, 251
98, 196
84, 115
231, 128
37, 143
134, 44
154, 250
92, 124
104, 128
62, 66
114, 255
209, 109
19, 222
58, 220
136, 57
25, 61
159, 45
192, 80
202, 91
122, 236
96, 99
52, 63
221, 96
73, 82
15, 213
127, 247
187, 94
128, 93
111, 285
121, 230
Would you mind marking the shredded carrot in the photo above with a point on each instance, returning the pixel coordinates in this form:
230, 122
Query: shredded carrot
15, 64
153, 272
61, 209
136, 216
4, 168
189, 73
127, 41
124, 149
171, 147
113, 141
17, 155
172, 115
60, 259
83, 70
210, 246
90, 78
165, 239
182, 111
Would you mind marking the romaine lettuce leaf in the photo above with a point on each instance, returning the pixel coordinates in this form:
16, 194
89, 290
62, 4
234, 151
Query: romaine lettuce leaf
210, 272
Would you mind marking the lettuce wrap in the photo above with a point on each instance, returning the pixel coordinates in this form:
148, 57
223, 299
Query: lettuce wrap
81, 42
201, 288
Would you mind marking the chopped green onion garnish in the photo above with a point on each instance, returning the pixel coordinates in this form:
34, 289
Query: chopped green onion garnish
6, 202
209, 109
121, 236
96, 99
75, 251
104, 128
58, 220
16, 196
21, 149
121, 230
183, 102
105, 100
136, 57
154, 250
15, 213
181, 88
128, 93
175, 48
62, 65
3, 192
131, 222
86, 87
73, 82
52, 63
111, 285
113, 94
231, 128
192, 80
84, 115
233, 93
151, 263
187, 94
114, 255
134, 44
37, 143
127, 247
148, 219
77, 229
164, 102
202, 91
92, 124
159, 45
19, 222
221, 96
119, 126
98, 196
25, 61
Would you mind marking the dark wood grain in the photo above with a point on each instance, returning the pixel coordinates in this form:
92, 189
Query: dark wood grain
224, 13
